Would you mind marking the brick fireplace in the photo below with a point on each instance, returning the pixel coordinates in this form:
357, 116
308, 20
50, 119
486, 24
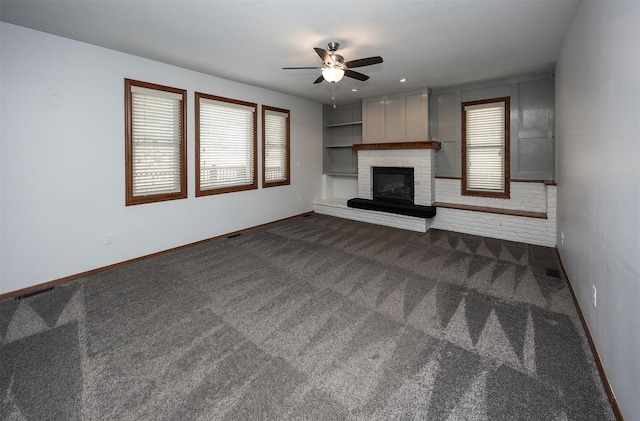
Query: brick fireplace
528, 216
420, 156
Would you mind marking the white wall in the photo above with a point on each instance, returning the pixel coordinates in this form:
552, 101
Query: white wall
598, 162
62, 161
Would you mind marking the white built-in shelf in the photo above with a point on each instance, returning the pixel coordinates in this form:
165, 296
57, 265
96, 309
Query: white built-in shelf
342, 129
351, 123
343, 174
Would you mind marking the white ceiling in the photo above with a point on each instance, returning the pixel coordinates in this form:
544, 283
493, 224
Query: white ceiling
431, 43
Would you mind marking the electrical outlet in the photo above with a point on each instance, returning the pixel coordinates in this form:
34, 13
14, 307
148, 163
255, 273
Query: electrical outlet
562, 239
108, 238
595, 295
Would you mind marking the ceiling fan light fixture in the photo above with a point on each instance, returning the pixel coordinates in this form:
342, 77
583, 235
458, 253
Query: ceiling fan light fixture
332, 74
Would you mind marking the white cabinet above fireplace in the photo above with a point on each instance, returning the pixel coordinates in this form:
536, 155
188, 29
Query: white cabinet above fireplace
398, 117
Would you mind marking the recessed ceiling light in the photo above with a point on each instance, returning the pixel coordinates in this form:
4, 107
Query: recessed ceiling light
403, 80
354, 89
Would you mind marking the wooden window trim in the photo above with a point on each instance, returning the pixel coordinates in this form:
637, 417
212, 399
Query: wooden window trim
128, 118
507, 141
230, 189
287, 181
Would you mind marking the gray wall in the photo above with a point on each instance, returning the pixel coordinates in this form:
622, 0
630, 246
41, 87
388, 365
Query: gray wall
62, 161
532, 123
598, 161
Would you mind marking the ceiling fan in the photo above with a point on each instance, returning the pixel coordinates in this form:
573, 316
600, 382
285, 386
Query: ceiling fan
334, 67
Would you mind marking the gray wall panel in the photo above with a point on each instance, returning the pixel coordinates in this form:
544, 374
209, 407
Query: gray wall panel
489, 92
445, 159
532, 122
535, 130
533, 156
447, 116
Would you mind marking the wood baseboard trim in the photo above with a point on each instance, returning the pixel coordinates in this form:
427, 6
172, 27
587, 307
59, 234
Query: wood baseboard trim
55, 282
500, 211
603, 374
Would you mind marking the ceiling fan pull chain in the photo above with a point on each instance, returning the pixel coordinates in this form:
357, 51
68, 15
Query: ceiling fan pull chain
333, 94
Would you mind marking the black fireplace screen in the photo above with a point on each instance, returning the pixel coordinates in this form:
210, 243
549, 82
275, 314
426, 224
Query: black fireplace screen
393, 184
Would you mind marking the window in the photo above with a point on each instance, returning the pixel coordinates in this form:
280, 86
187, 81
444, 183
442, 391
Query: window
155, 143
226, 143
275, 147
485, 148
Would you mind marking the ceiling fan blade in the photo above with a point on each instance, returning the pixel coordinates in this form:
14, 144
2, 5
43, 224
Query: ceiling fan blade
318, 80
363, 62
324, 56
290, 68
355, 75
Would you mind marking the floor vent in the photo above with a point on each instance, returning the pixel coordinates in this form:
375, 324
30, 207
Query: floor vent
234, 236
306, 216
31, 294
554, 273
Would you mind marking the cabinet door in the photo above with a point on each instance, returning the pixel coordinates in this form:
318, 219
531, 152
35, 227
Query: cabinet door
396, 118
374, 121
416, 116
393, 119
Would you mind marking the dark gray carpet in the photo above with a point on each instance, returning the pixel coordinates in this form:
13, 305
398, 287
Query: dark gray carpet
311, 318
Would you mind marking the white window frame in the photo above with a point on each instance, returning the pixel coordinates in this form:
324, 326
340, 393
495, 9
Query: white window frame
276, 161
485, 147
155, 143
226, 145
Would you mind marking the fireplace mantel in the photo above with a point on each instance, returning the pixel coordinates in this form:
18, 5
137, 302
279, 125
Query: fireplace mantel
427, 144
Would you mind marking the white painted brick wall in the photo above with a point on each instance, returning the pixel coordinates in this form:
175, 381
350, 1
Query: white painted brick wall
507, 227
422, 160
530, 197
552, 201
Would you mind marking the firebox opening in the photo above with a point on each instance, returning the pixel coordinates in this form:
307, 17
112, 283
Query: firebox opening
393, 184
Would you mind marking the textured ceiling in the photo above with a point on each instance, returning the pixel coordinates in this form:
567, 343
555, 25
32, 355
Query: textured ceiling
431, 43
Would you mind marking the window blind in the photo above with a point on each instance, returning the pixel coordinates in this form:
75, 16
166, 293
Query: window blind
156, 118
226, 144
275, 146
485, 147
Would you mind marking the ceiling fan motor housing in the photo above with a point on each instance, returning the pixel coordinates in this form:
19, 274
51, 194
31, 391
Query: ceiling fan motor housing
338, 61
334, 66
